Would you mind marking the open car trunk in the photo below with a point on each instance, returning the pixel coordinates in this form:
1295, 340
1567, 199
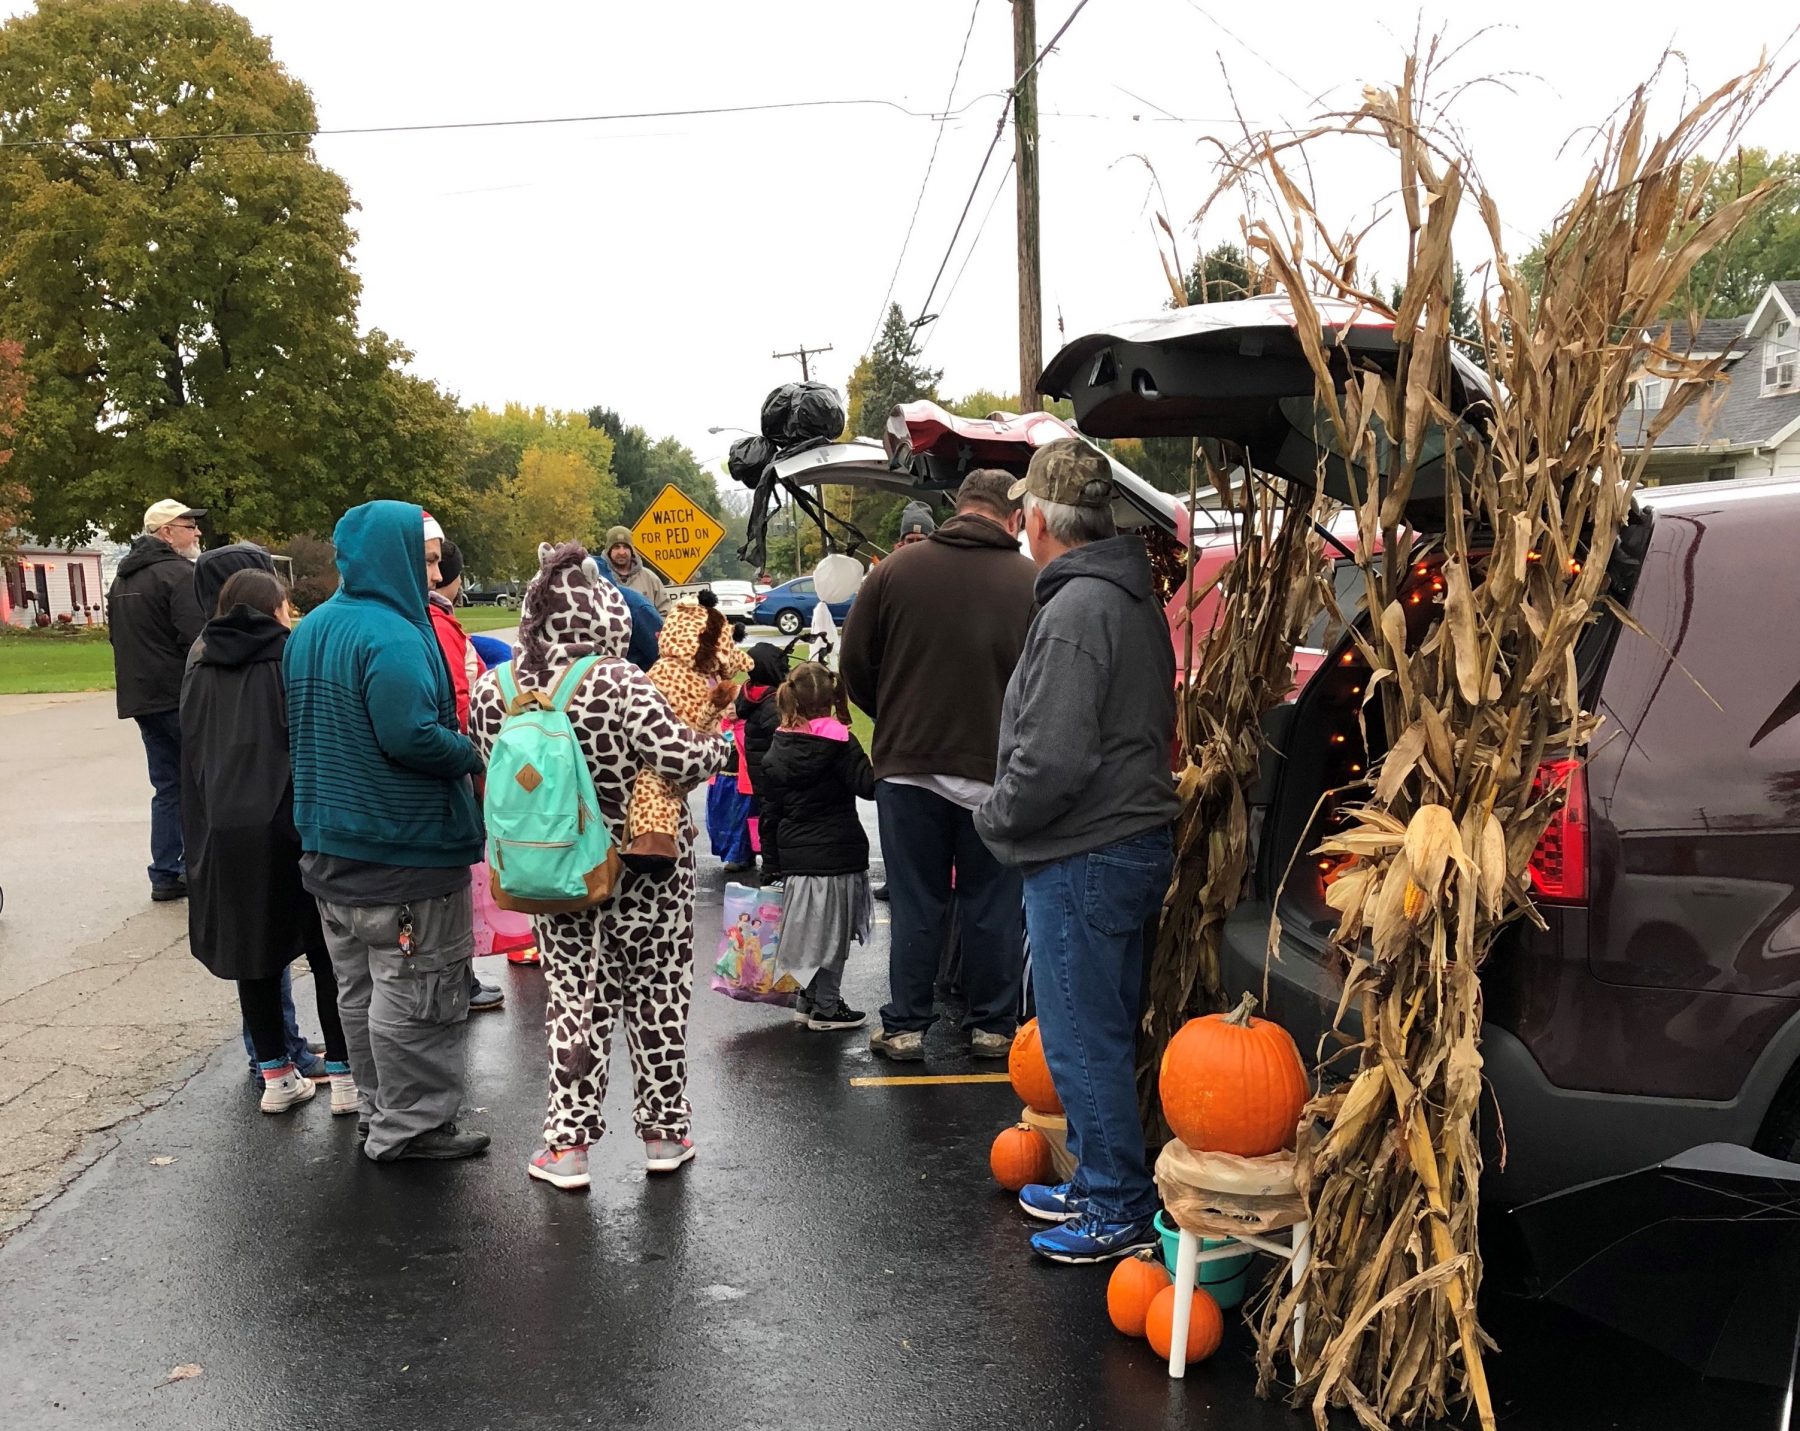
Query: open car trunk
1237, 373
926, 452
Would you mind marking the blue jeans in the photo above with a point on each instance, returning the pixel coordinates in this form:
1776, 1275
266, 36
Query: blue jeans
162, 744
290, 1022
924, 839
1086, 916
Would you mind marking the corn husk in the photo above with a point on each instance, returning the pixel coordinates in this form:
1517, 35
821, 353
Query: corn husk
1435, 855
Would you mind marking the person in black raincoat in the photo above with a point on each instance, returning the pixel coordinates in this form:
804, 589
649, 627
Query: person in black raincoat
248, 915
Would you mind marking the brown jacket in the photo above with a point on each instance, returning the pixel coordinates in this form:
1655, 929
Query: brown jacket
931, 643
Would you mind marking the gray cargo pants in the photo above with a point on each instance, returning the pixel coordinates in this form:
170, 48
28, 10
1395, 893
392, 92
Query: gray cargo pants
404, 1014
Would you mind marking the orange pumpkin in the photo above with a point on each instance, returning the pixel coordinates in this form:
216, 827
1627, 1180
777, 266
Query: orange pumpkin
1206, 1324
1030, 1073
1020, 1155
1131, 1288
1232, 1083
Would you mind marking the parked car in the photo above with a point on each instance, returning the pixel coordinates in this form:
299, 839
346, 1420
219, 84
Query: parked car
737, 599
789, 607
490, 593
1660, 1007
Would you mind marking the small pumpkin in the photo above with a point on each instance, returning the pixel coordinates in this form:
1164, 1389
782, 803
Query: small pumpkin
1233, 1083
1029, 1071
1131, 1288
1206, 1324
1020, 1155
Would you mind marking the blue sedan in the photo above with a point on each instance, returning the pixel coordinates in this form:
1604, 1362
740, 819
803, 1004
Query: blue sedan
789, 607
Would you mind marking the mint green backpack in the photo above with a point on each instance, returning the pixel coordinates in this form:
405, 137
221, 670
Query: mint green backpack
548, 847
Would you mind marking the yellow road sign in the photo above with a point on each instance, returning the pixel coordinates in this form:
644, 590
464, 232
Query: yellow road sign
674, 535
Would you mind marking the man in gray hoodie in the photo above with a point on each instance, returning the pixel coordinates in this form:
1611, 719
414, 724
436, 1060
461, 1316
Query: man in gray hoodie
1083, 802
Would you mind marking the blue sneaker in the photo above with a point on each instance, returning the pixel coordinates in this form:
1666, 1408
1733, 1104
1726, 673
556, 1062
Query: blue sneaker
1090, 1238
1050, 1204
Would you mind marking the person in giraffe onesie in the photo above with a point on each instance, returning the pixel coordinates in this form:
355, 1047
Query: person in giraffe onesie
697, 671
633, 957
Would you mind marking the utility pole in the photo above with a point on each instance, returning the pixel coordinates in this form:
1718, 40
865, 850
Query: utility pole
803, 353
1025, 139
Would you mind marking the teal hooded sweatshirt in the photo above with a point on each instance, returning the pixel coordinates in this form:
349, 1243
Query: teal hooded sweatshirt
381, 772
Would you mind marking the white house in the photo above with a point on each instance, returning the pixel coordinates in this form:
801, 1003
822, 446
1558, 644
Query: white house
1754, 428
48, 580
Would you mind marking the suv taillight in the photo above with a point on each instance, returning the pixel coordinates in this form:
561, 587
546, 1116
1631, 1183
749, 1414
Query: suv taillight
1559, 865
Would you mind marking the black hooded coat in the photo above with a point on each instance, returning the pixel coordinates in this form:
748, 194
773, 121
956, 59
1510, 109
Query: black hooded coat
248, 916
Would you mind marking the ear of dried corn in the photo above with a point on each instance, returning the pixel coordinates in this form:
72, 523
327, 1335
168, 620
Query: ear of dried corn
1537, 492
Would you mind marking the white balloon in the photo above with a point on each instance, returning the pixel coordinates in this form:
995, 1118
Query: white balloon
837, 577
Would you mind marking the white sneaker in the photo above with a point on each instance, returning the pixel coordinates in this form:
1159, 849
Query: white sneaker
288, 1091
345, 1099
665, 1155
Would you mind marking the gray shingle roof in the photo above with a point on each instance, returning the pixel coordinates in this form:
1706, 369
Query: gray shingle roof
1743, 418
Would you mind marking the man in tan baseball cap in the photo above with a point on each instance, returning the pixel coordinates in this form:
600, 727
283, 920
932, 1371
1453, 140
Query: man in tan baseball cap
1082, 803
152, 617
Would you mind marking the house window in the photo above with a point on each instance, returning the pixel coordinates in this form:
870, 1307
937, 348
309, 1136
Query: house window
1781, 360
1721, 474
77, 586
15, 584
1650, 392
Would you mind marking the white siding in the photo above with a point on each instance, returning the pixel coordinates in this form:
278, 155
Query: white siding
1787, 458
57, 567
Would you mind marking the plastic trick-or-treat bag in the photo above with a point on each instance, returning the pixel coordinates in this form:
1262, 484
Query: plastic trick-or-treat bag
749, 967
497, 930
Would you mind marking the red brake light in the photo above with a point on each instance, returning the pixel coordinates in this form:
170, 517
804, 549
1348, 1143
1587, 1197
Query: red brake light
1559, 865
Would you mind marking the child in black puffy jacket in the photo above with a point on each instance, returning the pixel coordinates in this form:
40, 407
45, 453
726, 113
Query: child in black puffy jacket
813, 775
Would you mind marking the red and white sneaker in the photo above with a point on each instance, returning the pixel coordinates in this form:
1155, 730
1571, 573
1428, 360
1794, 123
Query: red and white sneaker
666, 1155
560, 1167
528, 955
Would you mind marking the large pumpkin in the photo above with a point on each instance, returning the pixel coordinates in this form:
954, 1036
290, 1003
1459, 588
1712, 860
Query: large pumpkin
1206, 1324
1232, 1083
1030, 1073
1020, 1155
1131, 1288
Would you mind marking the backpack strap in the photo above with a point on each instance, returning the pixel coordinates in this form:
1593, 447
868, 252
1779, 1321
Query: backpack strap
571, 683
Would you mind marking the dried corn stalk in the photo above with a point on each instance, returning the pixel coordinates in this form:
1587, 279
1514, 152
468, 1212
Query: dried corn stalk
1437, 854
1245, 668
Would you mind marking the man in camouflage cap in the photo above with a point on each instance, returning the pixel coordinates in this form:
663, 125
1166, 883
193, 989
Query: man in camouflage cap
1082, 803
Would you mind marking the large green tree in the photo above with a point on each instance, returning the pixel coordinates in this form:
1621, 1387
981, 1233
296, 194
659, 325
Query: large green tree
185, 298
889, 374
1730, 280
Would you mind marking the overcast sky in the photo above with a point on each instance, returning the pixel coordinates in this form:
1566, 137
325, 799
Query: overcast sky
655, 265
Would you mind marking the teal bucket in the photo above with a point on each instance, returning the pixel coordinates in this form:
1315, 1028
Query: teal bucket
1224, 1279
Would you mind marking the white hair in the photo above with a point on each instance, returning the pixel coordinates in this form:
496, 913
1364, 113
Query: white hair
1074, 526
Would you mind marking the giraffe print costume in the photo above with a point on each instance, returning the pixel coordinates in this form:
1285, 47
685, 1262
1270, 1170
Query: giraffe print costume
696, 671
632, 957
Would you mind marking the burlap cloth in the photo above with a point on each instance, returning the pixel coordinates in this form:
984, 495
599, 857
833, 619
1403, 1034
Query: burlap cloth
1219, 1195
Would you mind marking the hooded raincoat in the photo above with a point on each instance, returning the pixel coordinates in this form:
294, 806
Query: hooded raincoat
248, 916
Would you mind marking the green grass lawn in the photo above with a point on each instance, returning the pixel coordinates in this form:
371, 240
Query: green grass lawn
32, 665
487, 618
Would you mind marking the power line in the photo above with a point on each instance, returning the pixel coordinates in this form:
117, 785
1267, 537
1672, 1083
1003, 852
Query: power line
918, 203
974, 244
987, 158
76, 143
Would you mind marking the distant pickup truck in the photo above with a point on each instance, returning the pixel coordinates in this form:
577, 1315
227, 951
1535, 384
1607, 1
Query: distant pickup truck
489, 593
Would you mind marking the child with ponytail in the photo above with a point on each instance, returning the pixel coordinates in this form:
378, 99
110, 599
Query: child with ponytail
813, 775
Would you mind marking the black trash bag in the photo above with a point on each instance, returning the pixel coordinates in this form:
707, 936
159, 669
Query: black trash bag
748, 458
802, 412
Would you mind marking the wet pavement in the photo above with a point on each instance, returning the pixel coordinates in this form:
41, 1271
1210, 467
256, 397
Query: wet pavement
836, 1257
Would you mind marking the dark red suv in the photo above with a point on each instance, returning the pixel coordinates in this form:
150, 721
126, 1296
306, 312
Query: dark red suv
1661, 1008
